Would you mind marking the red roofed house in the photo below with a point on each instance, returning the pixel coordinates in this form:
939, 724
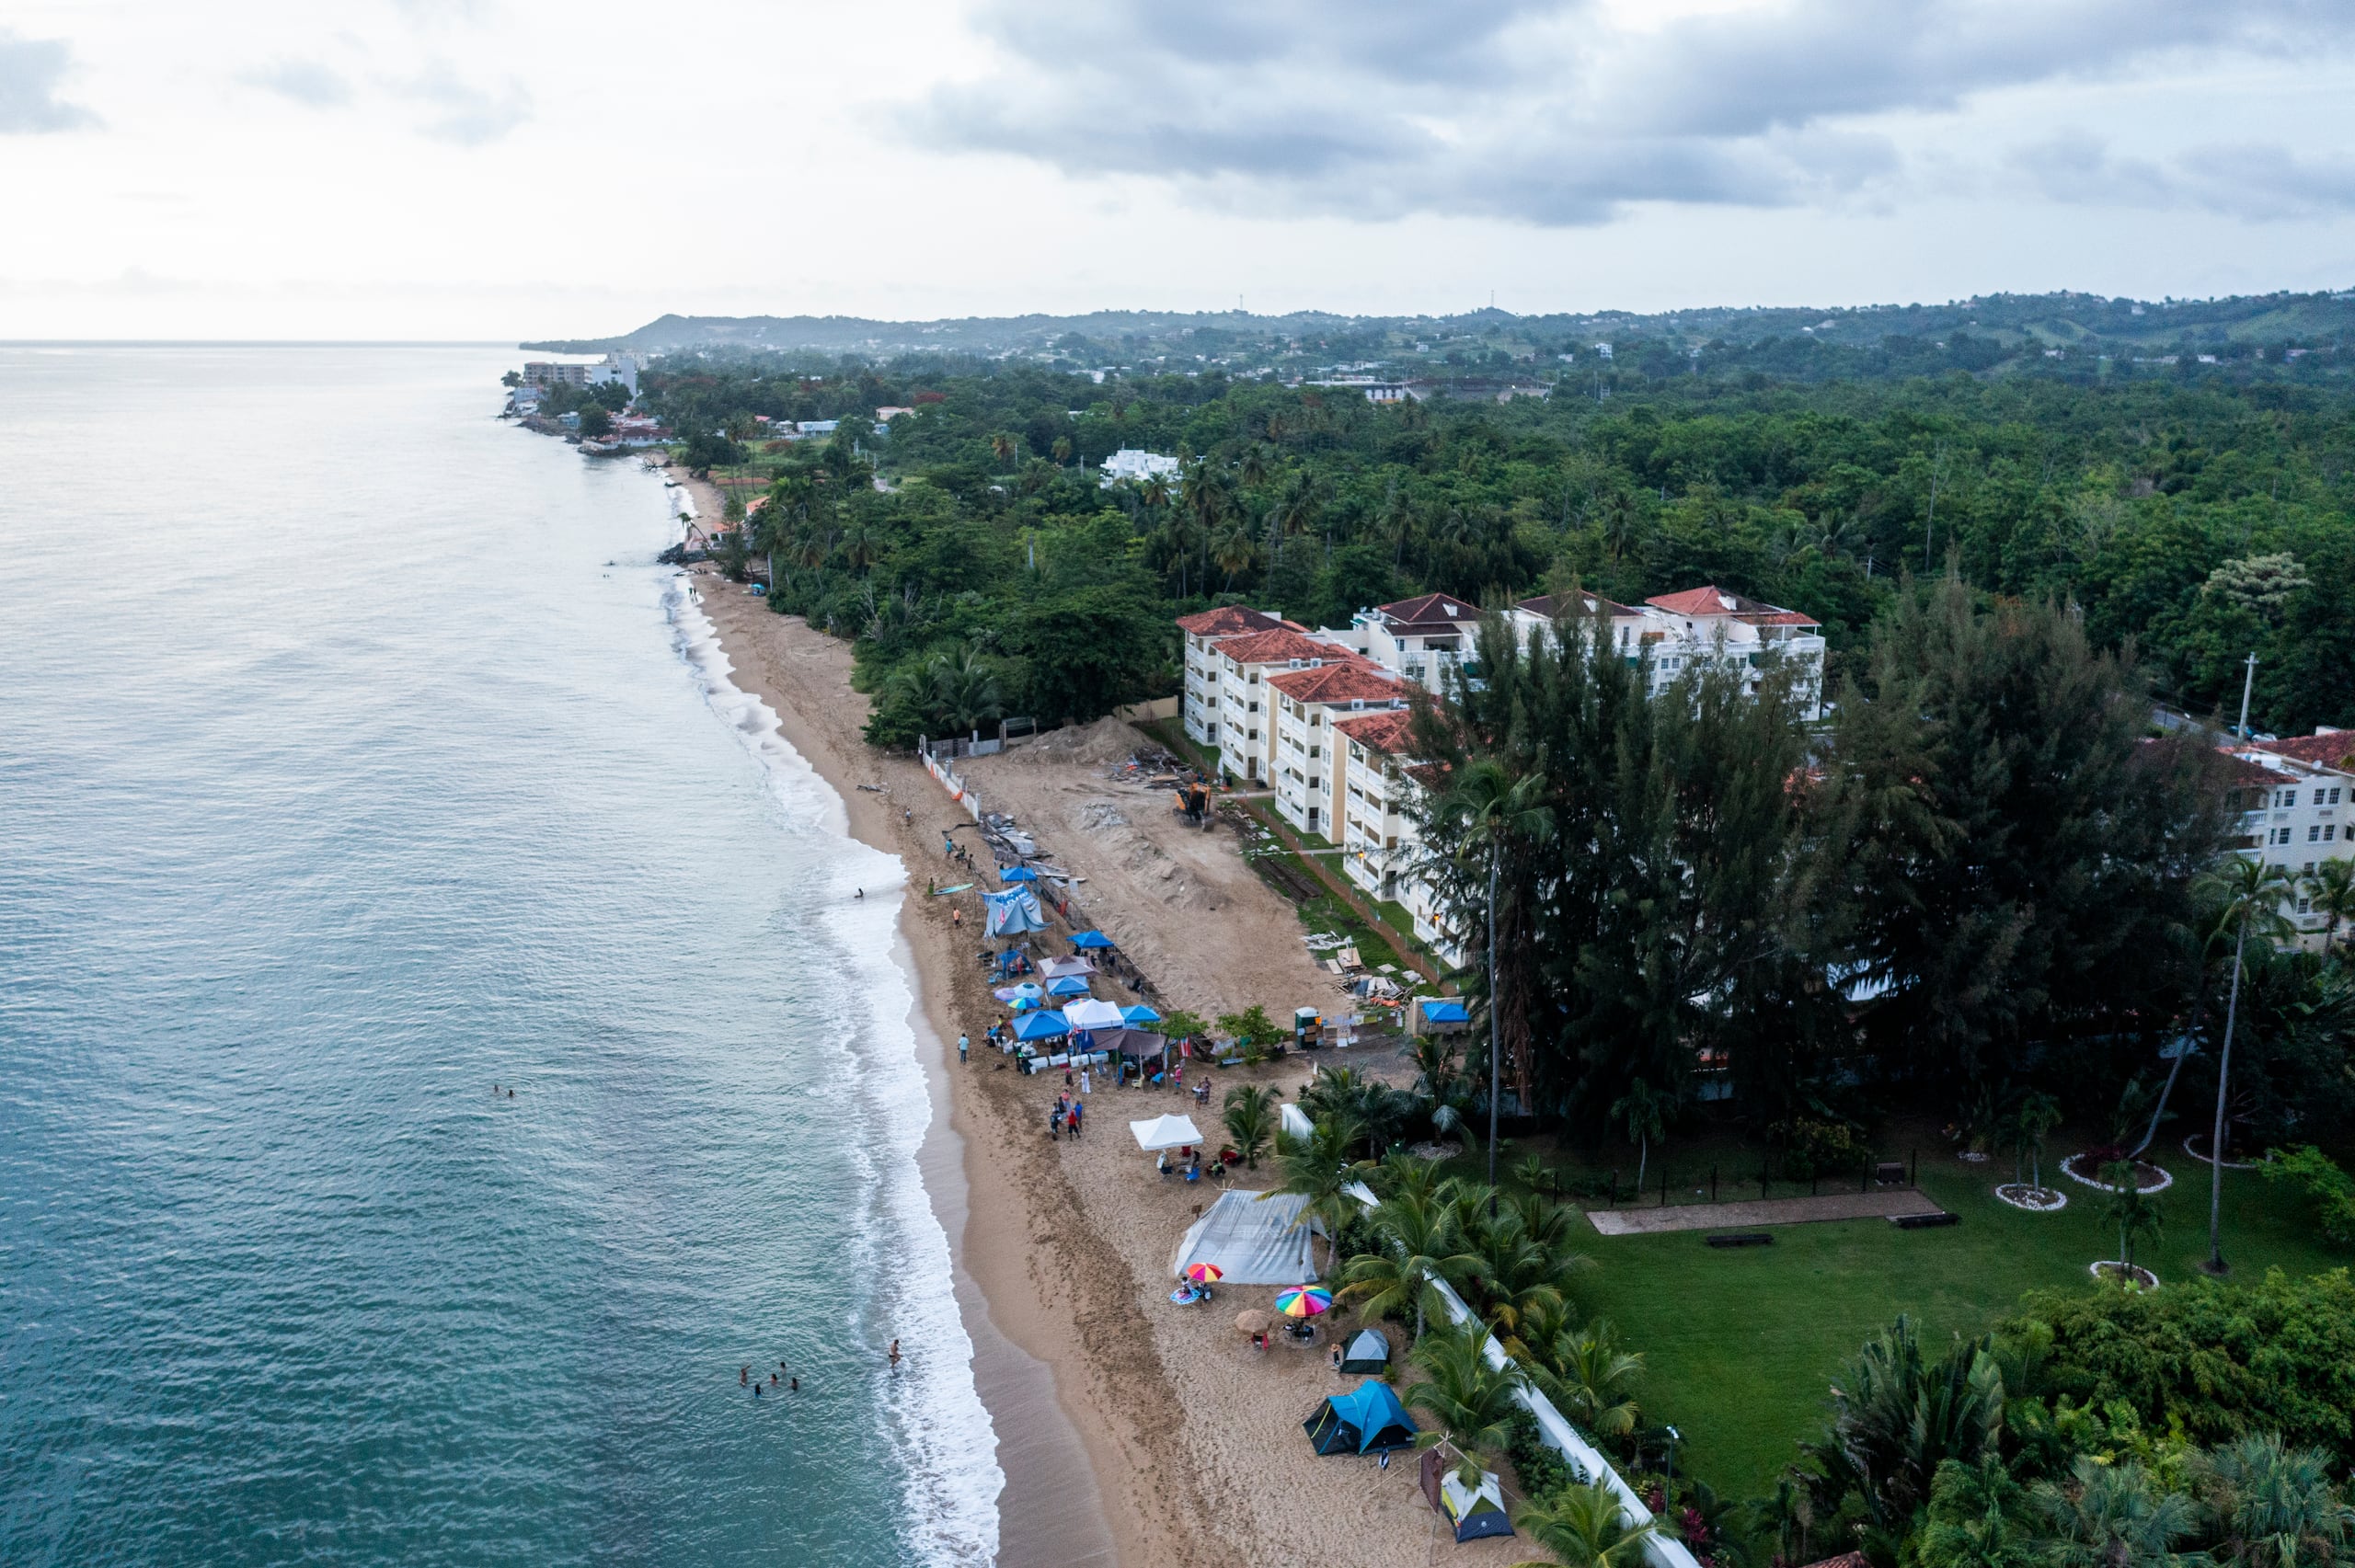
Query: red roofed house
1306, 703
1239, 716
1422, 638
1703, 627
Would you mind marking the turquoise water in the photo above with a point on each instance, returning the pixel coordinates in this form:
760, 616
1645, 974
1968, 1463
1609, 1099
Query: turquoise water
340, 778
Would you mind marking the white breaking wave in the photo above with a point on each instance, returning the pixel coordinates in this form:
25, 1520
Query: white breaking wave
950, 1480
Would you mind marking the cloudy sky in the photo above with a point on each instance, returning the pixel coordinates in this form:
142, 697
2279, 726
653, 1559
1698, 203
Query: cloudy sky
491, 168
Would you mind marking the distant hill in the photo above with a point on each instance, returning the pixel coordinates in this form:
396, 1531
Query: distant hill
2065, 321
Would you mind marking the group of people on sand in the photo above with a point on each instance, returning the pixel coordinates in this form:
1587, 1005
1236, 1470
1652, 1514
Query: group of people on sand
1065, 1116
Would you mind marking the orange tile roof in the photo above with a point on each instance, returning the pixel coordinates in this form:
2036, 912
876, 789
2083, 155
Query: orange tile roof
1594, 604
1383, 731
1711, 599
1345, 681
1227, 621
1277, 646
1431, 609
2333, 749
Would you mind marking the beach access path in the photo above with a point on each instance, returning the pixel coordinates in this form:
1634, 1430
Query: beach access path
1881, 1204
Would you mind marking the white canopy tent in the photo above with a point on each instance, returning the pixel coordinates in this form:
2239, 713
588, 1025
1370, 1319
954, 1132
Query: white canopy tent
1295, 1121
1166, 1132
1253, 1237
1093, 1013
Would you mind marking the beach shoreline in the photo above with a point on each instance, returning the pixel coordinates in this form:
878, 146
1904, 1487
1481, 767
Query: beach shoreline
1055, 1507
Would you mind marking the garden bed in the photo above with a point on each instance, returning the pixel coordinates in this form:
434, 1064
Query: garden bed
2115, 1273
2036, 1200
2229, 1164
2148, 1177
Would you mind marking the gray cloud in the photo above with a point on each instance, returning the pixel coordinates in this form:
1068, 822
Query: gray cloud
31, 70
305, 82
468, 115
1537, 110
2253, 181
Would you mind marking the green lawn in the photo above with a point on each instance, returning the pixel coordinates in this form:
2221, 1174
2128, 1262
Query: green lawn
1741, 1344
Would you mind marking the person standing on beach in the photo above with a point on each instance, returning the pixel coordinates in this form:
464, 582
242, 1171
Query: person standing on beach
964, 1046
957, 916
1083, 1083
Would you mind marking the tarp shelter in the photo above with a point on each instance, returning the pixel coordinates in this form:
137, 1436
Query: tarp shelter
1254, 1238
1011, 912
1294, 1121
1166, 1132
1368, 1352
1438, 1015
1366, 1419
1087, 940
1041, 1026
1089, 1014
1472, 1511
1137, 1045
1017, 874
1068, 985
1056, 969
1138, 1017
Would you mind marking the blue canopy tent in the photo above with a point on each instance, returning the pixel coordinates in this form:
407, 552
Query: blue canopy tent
1070, 985
1090, 939
1366, 1419
1446, 1012
1041, 1026
1011, 912
1138, 1017
1017, 874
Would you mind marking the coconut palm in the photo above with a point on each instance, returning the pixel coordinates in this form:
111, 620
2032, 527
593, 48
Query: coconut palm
1250, 1118
1321, 1167
2111, 1516
2032, 1122
1489, 809
2272, 1506
1586, 1526
1232, 549
2249, 893
2332, 890
2133, 1211
1471, 1401
1421, 1246
1002, 448
1591, 1379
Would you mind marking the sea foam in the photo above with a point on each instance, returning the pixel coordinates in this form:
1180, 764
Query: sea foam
950, 1481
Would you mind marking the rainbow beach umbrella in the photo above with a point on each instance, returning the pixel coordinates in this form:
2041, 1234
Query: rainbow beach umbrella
1205, 1273
1303, 1301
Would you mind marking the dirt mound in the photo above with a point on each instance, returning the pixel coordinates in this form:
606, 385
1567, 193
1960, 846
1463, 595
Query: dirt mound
1100, 744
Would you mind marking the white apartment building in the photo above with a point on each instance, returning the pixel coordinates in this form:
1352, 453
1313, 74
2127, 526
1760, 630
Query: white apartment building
1239, 714
1698, 628
1422, 639
1373, 784
1308, 704
1201, 695
1134, 463
2295, 797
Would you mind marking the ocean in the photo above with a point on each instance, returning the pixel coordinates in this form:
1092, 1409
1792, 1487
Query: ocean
355, 757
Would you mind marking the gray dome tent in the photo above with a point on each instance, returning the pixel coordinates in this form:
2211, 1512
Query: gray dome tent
1367, 1352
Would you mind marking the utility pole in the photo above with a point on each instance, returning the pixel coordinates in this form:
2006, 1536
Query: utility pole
2248, 681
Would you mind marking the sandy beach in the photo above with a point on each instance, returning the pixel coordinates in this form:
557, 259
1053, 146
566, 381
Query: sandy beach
1170, 1439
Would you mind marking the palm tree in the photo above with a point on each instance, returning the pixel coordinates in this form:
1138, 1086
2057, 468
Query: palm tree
1421, 1246
1490, 808
1063, 450
1002, 448
2037, 1115
1472, 1400
1591, 1380
1250, 1116
2332, 888
1231, 548
1895, 1418
2275, 1507
2111, 1516
1640, 1109
1586, 1526
2134, 1212
1320, 1168
2249, 893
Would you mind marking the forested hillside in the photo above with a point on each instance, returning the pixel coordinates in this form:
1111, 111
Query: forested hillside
2201, 513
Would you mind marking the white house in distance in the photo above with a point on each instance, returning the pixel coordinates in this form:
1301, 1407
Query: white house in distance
2294, 797
1131, 465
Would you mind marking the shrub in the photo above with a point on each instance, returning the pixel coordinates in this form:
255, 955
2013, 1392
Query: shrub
2332, 1189
1814, 1148
1542, 1471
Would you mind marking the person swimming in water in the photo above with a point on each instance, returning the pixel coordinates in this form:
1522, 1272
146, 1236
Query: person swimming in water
895, 1353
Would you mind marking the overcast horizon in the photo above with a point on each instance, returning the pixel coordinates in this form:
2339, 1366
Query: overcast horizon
463, 170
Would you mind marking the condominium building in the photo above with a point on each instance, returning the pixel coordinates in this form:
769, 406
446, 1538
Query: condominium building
1423, 638
1307, 703
1702, 628
1201, 694
1238, 709
2294, 797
